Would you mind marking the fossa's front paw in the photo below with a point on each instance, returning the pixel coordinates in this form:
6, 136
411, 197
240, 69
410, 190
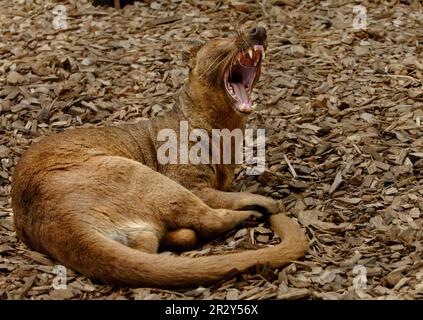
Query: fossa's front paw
259, 203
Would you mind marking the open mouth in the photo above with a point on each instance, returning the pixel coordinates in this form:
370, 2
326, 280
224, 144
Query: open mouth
241, 75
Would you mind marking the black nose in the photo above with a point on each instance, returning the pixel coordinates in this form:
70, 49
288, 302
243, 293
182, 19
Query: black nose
258, 34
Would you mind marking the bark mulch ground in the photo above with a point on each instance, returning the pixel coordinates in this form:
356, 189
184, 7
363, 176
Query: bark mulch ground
342, 109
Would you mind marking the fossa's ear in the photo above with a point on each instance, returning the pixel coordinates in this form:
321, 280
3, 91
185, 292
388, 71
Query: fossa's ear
189, 55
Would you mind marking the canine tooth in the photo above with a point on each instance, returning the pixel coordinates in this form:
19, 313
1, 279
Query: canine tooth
250, 53
263, 54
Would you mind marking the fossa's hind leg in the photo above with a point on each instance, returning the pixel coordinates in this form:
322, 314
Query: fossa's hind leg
218, 221
135, 196
210, 225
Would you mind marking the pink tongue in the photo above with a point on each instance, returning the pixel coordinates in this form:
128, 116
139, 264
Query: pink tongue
241, 92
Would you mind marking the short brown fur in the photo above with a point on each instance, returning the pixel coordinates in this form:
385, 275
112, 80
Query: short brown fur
98, 201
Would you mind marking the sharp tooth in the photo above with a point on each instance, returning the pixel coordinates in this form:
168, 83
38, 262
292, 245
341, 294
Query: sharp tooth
263, 54
250, 53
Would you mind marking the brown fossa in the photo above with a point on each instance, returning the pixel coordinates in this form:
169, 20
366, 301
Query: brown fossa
99, 202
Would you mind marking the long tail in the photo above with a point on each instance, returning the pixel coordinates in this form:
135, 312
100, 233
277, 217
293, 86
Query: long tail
106, 260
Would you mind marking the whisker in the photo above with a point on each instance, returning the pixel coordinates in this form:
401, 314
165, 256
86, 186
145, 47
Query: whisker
213, 64
219, 61
244, 39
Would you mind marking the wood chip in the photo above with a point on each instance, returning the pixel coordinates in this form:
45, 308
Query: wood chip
342, 109
294, 294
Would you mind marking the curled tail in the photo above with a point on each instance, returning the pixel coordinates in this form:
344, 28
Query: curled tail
101, 258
